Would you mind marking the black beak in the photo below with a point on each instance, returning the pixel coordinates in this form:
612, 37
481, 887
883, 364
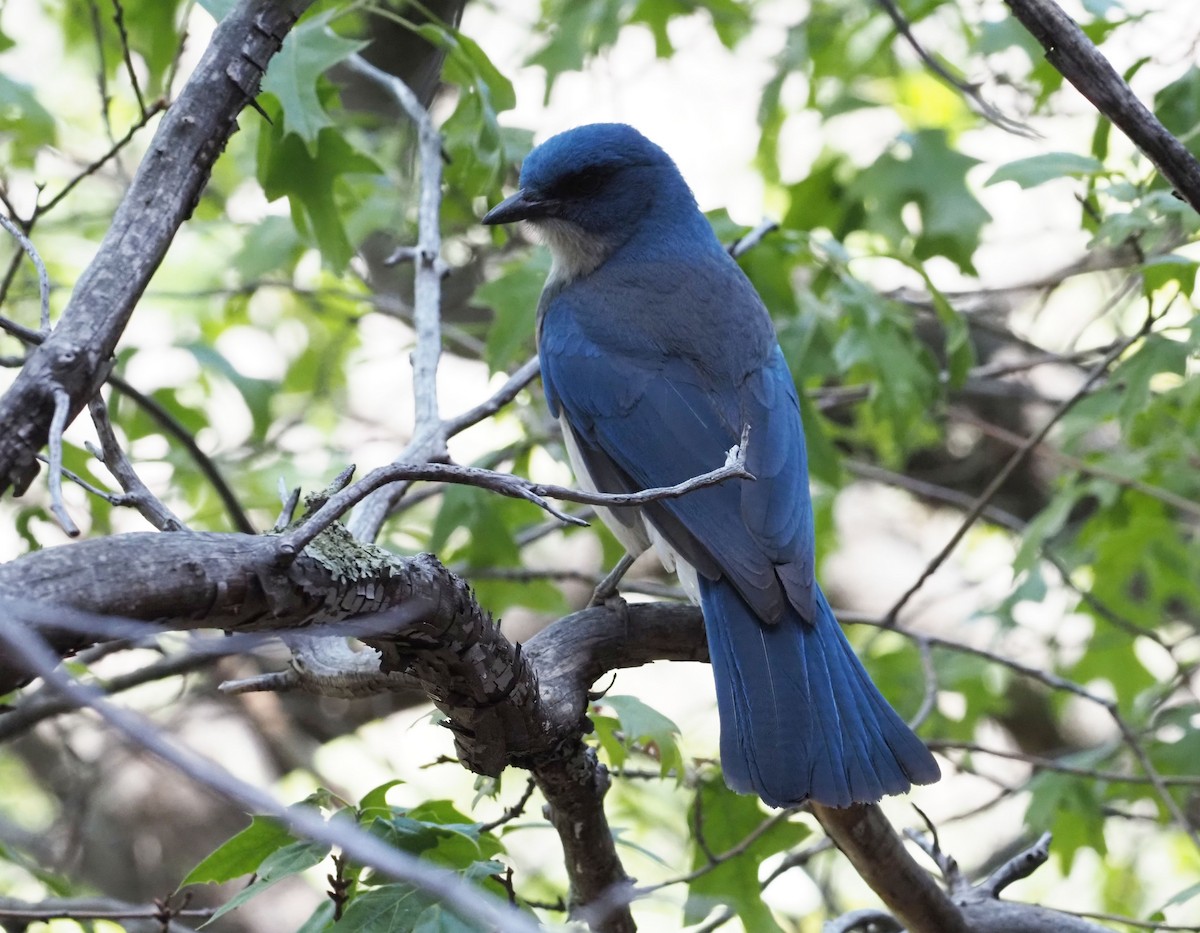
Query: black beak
524, 205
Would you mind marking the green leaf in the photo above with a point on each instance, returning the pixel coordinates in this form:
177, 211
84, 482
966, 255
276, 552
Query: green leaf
389, 908
289, 860
513, 297
242, 854
820, 199
310, 180
24, 121
218, 9
270, 246
959, 352
577, 29
376, 798
647, 727
257, 393
311, 49
1156, 354
437, 919
727, 819
1178, 107
926, 172
321, 919
1070, 808
607, 732
1163, 270
438, 832
1039, 169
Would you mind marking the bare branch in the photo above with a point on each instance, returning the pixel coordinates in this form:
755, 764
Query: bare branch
429, 433
75, 356
459, 895
45, 704
1020, 866
119, 19
137, 494
1010, 465
294, 541
43, 276
867, 839
505, 394
58, 424
866, 919
970, 91
1070, 51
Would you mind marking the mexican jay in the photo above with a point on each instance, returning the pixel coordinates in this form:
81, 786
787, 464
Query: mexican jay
655, 351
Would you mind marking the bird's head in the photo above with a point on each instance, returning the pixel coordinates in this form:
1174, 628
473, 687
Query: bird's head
587, 191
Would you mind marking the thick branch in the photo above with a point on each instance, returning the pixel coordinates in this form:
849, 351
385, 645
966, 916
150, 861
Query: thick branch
507, 705
74, 358
1081, 63
868, 840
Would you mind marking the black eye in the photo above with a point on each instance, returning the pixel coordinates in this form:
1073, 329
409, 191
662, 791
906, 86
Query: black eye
581, 184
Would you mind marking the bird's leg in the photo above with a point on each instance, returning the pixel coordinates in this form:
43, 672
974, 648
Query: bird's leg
606, 590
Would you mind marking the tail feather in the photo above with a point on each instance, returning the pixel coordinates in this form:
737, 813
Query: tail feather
800, 718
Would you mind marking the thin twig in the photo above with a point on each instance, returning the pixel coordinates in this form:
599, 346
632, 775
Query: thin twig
203, 461
92, 167
752, 238
1076, 57
1041, 763
1001, 477
58, 424
1156, 780
1020, 866
464, 898
43, 276
715, 860
119, 19
1155, 925
1166, 496
504, 483
137, 493
46, 703
970, 91
527, 372
512, 812
429, 434
102, 69
289, 500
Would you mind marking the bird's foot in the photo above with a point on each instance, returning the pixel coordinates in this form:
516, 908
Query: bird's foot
607, 589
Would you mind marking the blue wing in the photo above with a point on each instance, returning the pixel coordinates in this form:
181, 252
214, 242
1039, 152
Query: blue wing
661, 417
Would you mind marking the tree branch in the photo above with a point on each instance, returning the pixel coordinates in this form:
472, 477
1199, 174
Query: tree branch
459, 895
878, 854
74, 358
506, 704
1079, 61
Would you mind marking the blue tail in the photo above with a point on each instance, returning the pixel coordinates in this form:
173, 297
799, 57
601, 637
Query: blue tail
800, 718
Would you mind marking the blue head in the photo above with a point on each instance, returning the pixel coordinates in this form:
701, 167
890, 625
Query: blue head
587, 191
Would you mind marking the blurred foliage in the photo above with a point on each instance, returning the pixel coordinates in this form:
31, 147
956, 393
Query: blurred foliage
256, 339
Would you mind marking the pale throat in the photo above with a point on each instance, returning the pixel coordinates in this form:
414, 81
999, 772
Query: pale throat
573, 252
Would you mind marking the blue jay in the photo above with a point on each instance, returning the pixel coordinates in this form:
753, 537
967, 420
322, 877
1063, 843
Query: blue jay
655, 352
